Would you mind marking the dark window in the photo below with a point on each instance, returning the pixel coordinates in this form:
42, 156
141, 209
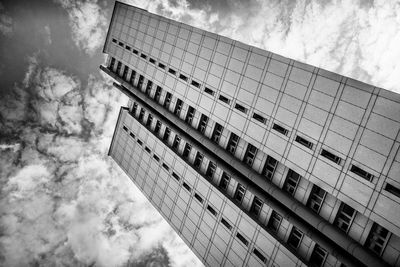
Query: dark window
202, 124
256, 206
232, 143
212, 210
143, 56
223, 184
158, 127
344, 217
216, 135
318, 256
147, 149
330, 156
112, 63
128, 47
135, 51
360, 172
114, 40
176, 176
178, 107
134, 109
189, 115
132, 135
149, 120
259, 118
132, 78
119, 65
377, 239
250, 155
148, 87
125, 128
211, 170
239, 194
141, 114
274, 222
183, 77
125, 73
121, 44
209, 91
198, 160
269, 167
259, 255
172, 71
187, 187
152, 60
157, 94
196, 84
292, 180
394, 190
186, 151
161, 66
167, 100
316, 199
139, 142
240, 108
175, 145
242, 238
166, 134
198, 197
226, 224
304, 142
165, 166
280, 129
140, 82
156, 157
224, 99
295, 238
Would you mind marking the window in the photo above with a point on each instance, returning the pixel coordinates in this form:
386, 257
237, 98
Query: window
232, 143
140, 82
223, 184
121, 44
209, 91
125, 73
172, 71
176, 176
166, 134
360, 172
203, 123
242, 238
186, 151
167, 100
147, 149
318, 256
125, 128
330, 156
274, 221
256, 206
250, 155
226, 224
189, 115
259, 255
135, 51
304, 142
134, 109
158, 127
119, 65
211, 170
216, 135
187, 187
132, 79
152, 61
224, 99
292, 179
128, 47
175, 145
345, 217
295, 238
161, 66
139, 142
239, 194
165, 166
377, 239
280, 129
196, 84
178, 107
114, 40
112, 63
141, 114
316, 199
143, 56
394, 190
240, 108
149, 120
269, 167
157, 94
183, 77
212, 210
148, 87
198, 197
156, 157
259, 118
132, 135
198, 160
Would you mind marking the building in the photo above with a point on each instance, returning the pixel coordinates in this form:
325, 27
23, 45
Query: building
253, 158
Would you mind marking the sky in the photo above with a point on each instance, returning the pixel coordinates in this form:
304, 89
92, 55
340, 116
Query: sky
63, 201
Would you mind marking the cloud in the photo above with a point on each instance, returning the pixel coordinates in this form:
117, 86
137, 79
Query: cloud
6, 22
47, 34
88, 23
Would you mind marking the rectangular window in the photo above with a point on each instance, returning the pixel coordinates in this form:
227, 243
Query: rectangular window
377, 239
259, 118
112, 63
256, 206
176, 176
114, 40
198, 160
304, 142
242, 238
330, 156
269, 167
212, 210
232, 143
175, 145
143, 56
172, 71
128, 47
224, 99
316, 199
152, 61
132, 135
178, 107
125, 128
186, 151
119, 65
187, 187
147, 149
167, 100
140, 82
195, 84
162, 66
141, 114
216, 135
198, 197
209, 91
274, 222
156, 157
166, 134
223, 184
148, 87
226, 224
394, 190
132, 79
135, 51
189, 115
211, 170
202, 124
157, 94
259, 255
295, 238
240, 108
318, 256
139, 142
158, 127
134, 109
165, 166
125, 73
360, 172
250, 155
183, 77
292, 180
149, 120
239, 194
344, 217
121, 44
280, 129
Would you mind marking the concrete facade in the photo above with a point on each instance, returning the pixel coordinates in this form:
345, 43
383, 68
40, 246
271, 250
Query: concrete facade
254, 158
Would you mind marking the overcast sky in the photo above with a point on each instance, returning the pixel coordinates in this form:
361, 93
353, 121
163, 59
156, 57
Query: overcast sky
62, 200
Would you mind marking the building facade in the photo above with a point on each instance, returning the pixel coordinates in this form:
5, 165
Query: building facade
253, 158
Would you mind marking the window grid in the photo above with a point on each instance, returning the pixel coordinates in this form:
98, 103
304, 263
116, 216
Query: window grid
232, 143
345, 217
292, 180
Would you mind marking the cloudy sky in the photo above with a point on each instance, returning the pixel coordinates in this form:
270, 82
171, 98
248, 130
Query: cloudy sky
62, 200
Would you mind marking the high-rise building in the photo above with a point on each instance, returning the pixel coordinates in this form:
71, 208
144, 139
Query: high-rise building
253, 158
